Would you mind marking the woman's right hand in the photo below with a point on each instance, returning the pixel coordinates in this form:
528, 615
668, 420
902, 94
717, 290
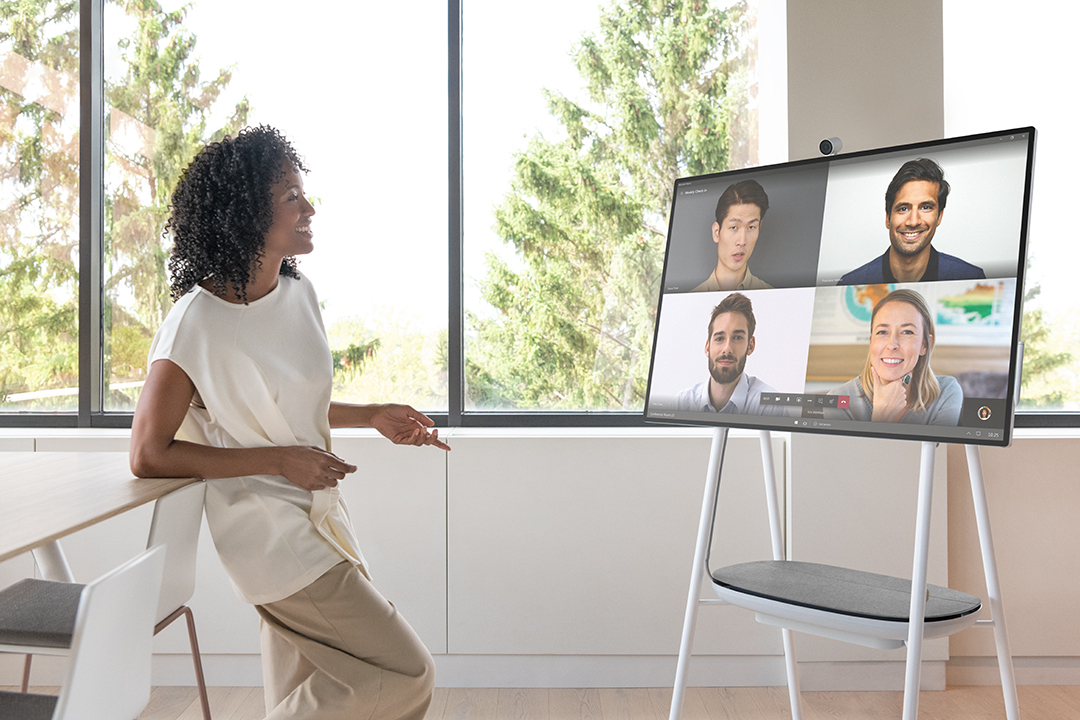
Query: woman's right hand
155, 451
890, 399
310, 467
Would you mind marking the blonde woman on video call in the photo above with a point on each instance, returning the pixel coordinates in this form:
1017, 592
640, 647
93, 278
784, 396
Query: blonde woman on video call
897, 384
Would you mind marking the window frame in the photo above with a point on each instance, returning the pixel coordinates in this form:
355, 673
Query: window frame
91, 413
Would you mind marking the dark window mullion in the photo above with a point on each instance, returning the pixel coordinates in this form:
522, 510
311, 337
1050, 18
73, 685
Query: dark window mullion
455, 331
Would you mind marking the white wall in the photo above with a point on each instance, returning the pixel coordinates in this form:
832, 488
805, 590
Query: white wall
1033, 489
866, 71
562, 558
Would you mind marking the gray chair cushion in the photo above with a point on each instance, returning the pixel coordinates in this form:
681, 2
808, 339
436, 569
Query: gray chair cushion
843, 591
26, 706
39, 612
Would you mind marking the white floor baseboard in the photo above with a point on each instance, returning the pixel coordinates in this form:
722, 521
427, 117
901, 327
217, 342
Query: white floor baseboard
1028, 671
591, 671
613, 671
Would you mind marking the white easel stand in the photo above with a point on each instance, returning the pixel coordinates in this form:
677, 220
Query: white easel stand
918, 580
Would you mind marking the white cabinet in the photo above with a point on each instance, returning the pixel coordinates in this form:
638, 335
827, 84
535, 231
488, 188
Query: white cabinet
583, 546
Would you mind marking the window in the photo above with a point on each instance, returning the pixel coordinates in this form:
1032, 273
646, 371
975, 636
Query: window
377, 171
573, 135
39, 211
990, 87
365, 100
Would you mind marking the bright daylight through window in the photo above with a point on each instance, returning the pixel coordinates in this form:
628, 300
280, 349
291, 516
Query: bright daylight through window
572, 135
39, 207
980, 80
179, 77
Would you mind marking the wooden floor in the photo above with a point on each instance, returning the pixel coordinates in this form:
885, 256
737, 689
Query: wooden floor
1037, 702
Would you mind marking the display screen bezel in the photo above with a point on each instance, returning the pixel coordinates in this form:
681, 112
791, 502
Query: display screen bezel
676, 278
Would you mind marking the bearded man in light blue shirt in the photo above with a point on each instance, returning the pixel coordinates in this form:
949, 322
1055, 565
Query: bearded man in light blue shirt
729, 389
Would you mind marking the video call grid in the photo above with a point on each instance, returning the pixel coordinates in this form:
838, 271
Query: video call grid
816, 194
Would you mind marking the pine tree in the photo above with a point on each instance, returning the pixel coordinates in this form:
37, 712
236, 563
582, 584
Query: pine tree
1042, 360
39, 167
157, 120
586, 212
157, 117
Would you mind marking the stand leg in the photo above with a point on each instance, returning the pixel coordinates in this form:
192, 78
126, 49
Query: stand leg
708, 510
775, 526
792, 667
917, 613
771, 501
993, 588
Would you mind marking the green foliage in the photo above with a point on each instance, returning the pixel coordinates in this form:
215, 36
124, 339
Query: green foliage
1050, 380
130, 347
396, 357
158, 118
38, 204
585, 212
161, 102
353, 358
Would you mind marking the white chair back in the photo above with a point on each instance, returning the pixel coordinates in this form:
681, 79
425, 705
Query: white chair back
176, 524
109, 675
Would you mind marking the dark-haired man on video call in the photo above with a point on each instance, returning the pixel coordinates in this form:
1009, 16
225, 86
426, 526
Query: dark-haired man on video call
914, 204
739, 212
728, 389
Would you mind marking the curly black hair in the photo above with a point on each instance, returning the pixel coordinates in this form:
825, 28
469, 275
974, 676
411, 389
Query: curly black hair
222, 208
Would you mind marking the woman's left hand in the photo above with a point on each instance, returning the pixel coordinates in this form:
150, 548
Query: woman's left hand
890, 399
405, 425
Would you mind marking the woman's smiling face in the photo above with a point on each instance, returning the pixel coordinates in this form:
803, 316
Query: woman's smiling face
896, 341
290, 233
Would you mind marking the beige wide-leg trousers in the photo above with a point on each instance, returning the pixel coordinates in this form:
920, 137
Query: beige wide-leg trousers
339, 650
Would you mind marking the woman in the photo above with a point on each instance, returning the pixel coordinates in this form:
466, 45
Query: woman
897, 384
239, 390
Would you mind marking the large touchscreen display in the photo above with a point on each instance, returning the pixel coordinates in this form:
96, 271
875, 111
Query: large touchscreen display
877, 293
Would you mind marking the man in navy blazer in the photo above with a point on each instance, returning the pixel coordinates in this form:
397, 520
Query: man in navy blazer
914, 204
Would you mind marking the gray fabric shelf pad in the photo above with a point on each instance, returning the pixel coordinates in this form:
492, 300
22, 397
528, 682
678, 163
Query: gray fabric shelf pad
841, 590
